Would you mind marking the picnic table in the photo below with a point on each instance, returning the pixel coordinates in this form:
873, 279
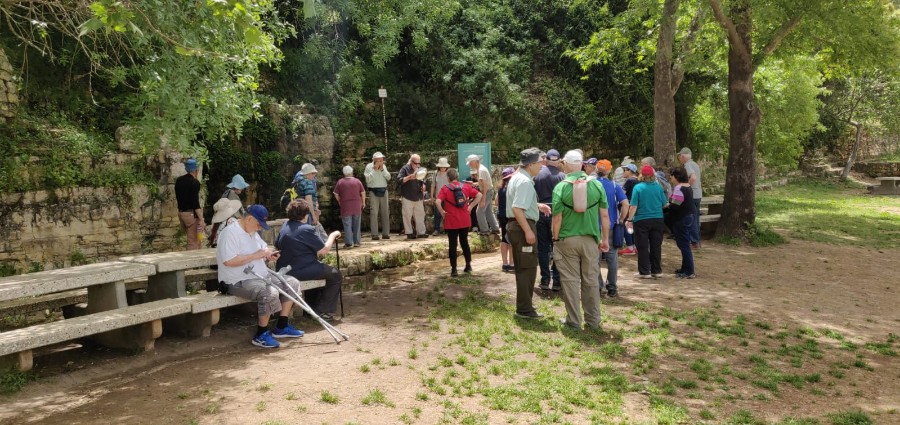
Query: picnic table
887, 186
108, 318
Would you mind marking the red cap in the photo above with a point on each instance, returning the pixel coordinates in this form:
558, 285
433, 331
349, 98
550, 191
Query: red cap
646, 170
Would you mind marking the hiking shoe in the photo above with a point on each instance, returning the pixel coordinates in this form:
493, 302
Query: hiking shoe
642, 276
385, 237
357, 245
556, 288
453, 273
685, 276
530, 315
265, 340
544, 286
627, 251
423, 236
508, 268
375, 238
326, 316
565, 322
613, 294
287, 332
410, 237
348, 246
656, 275
468, 269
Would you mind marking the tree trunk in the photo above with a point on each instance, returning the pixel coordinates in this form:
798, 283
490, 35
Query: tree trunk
663, 92
852, 158
739, 207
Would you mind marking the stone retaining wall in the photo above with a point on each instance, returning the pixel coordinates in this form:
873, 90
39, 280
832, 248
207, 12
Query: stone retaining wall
878, 169
52, 229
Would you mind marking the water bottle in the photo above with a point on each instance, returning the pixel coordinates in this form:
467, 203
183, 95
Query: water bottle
630, 229
200, 233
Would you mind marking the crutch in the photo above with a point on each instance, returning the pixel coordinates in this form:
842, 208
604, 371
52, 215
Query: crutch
337, 253
297, 299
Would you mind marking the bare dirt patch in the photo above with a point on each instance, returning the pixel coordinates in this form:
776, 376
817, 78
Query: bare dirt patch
801, 330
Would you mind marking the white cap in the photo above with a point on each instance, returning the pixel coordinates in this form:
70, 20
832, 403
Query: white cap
472, 157
348, 170
377, 155
573, 157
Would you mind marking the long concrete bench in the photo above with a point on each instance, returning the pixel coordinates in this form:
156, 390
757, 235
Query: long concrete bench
708, 224
87, 276
79, 296
887, 186
133, 327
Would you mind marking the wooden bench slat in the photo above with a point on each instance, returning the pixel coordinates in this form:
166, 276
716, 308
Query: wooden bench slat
64, 330
50, 281
709, 218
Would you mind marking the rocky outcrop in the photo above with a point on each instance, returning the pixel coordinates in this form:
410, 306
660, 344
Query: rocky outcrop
878, 169
9, 89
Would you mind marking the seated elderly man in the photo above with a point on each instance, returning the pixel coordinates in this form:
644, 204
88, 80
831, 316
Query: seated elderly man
301, 248
239, 245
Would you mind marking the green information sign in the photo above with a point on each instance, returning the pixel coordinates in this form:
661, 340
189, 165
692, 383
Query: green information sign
463, 150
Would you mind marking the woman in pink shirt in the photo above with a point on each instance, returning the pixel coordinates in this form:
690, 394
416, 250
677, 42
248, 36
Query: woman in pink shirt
453, 203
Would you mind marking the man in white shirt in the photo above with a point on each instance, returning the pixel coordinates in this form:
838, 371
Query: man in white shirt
239, 245
694, 172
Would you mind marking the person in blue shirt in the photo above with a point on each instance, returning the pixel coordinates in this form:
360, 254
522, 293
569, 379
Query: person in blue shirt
301, 248
646, 216
618, 210
544, 182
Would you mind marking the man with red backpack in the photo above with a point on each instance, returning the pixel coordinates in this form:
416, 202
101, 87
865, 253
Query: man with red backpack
580, 228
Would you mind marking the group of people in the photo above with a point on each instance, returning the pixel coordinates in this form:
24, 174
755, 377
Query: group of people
560, 214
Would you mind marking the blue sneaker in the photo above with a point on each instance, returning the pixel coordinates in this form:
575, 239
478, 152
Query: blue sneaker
287, 332
265, 340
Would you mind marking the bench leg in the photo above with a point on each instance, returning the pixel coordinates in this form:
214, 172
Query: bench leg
166, 285
23, 361
200, 324
108, 296
136, 338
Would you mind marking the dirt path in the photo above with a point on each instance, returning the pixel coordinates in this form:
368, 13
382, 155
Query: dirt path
843, 297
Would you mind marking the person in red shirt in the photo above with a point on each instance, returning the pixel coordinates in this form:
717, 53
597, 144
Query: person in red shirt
457, 220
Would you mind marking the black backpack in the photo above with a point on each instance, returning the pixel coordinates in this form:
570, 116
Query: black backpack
458, 196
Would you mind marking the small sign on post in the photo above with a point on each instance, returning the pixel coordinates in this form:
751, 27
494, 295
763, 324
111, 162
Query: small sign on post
382, 93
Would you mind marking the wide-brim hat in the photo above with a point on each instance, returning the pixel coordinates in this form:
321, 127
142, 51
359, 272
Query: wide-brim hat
308, 168
238, 182
442, 163
225, 208
472, 157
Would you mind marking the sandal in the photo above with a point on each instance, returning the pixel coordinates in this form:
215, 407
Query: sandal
327, 316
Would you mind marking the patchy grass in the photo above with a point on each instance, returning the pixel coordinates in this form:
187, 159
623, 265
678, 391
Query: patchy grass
834, 213
12, 380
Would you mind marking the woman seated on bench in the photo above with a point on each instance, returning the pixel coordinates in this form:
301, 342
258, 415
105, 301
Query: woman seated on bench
301, 248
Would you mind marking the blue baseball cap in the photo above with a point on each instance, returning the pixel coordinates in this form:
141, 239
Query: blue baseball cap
260, 213
553, 155
632, 167
190, 165
591, 161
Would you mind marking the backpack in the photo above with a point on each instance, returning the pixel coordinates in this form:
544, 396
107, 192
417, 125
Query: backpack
664, 182
287, 196
579, 195
459, 198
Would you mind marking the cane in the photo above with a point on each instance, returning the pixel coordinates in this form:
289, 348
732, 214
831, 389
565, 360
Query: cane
297, 299
337, 253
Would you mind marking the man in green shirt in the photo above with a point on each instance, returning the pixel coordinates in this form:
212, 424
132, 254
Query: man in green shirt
523, 209
578, 240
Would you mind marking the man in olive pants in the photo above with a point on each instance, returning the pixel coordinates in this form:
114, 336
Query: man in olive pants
377, 178
522, 208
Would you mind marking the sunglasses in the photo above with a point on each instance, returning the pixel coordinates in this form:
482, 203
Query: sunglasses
417, 163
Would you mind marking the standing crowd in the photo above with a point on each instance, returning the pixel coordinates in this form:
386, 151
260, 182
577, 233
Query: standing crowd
562, 215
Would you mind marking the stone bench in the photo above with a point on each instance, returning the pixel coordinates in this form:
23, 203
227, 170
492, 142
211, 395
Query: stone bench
886, 186
91, 276
133, 327
708, 224
79, 296
712, 203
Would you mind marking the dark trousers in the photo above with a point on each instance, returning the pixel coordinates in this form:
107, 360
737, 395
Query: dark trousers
648, 237
325, 299
682, 230
462, 235
545, 250
525, 263
695, 224
438, 219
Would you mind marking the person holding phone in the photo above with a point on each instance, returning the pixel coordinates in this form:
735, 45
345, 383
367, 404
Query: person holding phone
301, 248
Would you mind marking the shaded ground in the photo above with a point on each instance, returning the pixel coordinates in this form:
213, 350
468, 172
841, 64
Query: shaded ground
797, 331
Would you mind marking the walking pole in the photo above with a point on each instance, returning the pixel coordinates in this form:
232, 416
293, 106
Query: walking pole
337, 253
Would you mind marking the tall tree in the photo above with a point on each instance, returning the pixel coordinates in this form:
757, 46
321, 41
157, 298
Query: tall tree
866, 30
668, 73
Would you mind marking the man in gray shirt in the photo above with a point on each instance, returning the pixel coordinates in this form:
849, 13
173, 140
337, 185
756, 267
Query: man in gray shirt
693, 170
377, 177
523, 209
